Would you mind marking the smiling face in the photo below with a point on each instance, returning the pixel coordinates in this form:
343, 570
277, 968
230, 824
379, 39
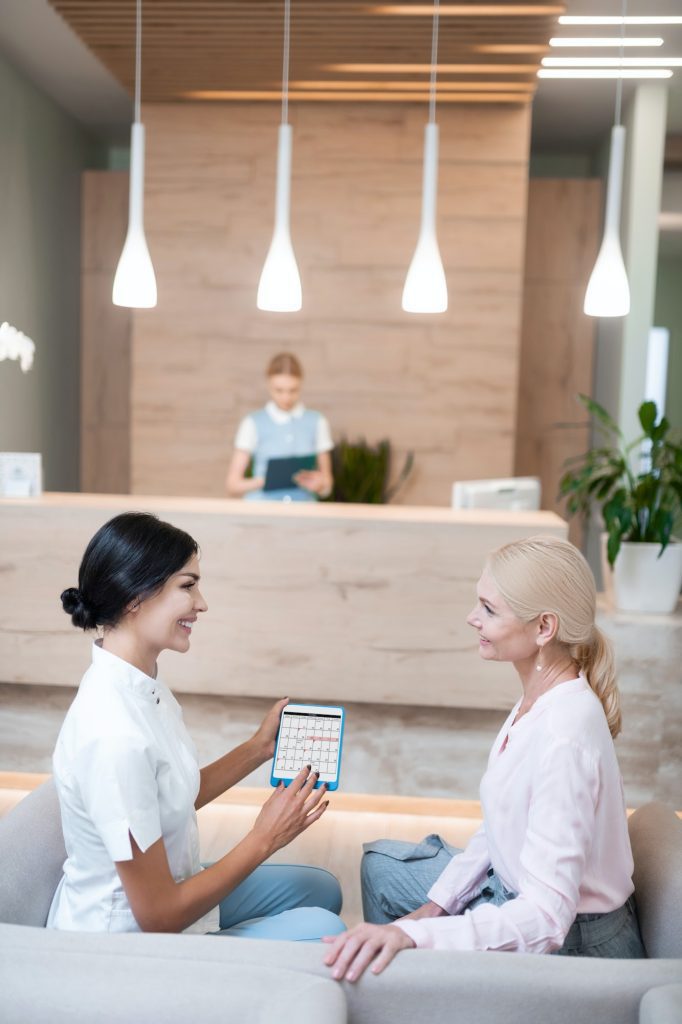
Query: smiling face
164, 621
285, 390
501, 635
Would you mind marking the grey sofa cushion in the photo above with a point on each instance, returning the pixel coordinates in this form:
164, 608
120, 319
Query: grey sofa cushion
656, 837
50, 977
32, 855
420, 985
662, 1005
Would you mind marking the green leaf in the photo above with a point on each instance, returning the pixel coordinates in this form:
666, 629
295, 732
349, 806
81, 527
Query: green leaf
660, 430
613, 547
601, 414
647, 416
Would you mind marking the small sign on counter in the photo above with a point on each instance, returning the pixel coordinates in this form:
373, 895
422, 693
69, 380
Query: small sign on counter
21, 474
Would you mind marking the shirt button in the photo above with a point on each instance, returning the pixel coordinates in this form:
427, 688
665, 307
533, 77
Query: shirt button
158, 700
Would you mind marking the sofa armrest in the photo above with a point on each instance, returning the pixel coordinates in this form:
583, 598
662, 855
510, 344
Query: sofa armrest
71, 978
662, 1005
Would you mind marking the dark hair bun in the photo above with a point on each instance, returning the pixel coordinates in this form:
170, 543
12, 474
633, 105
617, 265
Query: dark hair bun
74, 605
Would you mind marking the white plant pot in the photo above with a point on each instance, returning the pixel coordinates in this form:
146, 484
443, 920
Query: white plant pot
643, 582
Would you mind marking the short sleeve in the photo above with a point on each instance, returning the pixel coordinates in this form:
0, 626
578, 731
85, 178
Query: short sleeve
324, 435
246, 438
117, 783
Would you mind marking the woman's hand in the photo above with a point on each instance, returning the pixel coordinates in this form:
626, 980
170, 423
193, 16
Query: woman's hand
290, 810
352, 952
265, 736
311, 480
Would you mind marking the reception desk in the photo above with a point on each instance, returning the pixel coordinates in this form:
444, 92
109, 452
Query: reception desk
318, 601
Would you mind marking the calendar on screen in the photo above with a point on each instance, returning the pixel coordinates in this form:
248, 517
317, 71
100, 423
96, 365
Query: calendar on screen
309, 734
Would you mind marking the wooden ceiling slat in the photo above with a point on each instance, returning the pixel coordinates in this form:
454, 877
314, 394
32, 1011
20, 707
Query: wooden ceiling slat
234, 47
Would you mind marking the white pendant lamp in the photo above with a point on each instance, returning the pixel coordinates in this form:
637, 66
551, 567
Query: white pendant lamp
425, 289
608, 291
135, 282
279, 288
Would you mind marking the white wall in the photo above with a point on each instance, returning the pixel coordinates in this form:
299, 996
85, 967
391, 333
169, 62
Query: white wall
42, 154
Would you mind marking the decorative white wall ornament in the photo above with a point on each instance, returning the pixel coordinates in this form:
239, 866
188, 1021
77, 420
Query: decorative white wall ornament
15, 345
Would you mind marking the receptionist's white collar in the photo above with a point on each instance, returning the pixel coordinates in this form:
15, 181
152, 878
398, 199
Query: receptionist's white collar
280, 416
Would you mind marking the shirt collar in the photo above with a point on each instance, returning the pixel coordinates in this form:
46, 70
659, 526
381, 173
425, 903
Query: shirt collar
280, 416
564, 689
125, 674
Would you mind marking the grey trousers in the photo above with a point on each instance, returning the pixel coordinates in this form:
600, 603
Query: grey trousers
397, 876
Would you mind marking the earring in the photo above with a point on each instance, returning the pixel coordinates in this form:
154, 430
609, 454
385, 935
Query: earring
538, 665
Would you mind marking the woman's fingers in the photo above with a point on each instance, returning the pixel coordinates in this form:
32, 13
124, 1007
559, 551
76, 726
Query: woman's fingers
347, 953
317, 813
315, 797
353, 952
299, 781
385, 956
337, 943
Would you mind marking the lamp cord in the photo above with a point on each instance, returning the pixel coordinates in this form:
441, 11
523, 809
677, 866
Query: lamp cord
285, 62
434, 63
619, 83
138, 59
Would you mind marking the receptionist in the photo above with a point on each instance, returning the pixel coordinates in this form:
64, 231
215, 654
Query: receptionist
284, 427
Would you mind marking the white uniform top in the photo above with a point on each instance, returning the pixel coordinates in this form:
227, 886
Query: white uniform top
246, 439
124, 765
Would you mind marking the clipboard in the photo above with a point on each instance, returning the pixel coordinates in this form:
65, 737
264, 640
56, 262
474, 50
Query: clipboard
280, 472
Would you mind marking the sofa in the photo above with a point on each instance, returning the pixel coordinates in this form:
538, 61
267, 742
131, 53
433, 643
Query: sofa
65, 976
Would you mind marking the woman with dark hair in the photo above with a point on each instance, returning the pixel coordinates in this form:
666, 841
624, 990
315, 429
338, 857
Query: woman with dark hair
127, 776
283, 427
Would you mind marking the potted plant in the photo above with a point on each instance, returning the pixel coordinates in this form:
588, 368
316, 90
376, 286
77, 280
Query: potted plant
640, 507
362, 472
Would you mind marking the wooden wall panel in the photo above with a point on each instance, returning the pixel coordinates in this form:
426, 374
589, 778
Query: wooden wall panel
105, 337
444, 386
557, 339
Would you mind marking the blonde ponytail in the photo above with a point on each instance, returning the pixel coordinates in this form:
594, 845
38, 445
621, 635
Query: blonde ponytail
544, 574
596, 662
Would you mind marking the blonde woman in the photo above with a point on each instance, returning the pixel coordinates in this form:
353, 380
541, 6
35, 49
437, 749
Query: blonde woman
283, 427
550, 869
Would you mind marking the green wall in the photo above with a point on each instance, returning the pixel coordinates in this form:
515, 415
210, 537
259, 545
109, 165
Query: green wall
668, 314
42, 154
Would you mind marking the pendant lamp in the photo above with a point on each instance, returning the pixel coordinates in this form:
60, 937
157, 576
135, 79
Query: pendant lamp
279, 288
135, 282
425, 289
608, 291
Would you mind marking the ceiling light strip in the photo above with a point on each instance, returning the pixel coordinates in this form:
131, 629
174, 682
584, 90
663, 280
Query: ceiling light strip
612, 62
470, 10
615, 73
578, 42
604, 19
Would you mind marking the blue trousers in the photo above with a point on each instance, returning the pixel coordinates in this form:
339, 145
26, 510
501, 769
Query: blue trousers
283, 901
397, 876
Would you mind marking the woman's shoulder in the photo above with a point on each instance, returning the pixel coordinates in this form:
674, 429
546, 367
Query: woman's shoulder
578, 719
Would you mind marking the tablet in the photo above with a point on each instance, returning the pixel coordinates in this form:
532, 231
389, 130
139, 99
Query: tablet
309, 734
280, 472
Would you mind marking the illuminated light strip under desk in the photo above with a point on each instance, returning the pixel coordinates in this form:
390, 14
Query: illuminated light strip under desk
326, 602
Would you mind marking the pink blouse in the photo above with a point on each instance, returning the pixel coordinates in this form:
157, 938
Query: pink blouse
554, 830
